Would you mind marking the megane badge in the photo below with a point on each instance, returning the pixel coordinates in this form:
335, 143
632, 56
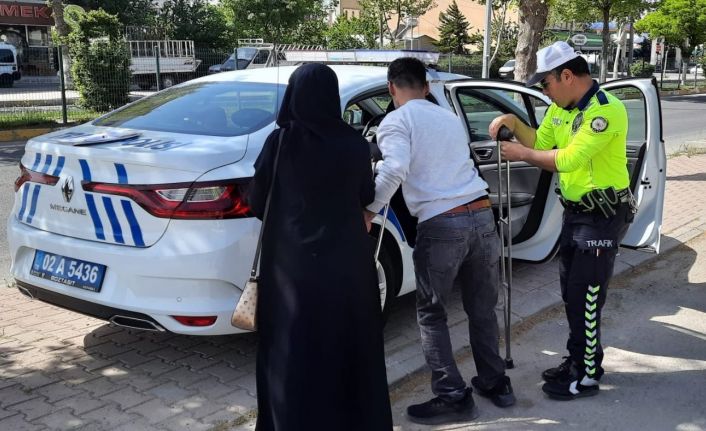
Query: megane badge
67, 189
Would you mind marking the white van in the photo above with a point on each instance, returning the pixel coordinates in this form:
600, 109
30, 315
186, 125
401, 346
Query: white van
9, 71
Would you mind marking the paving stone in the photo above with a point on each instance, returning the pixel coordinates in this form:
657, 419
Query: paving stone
80, 404
127, 397
200, 406
107, 350
137, 425
91, 363
6, 413
170, 393
37, 379
184, 376
223, 372
196, 362
34, 408
132, 358
62, 420
75, 375
109, 417
239, 401
146, 346
212, 388
12, 395
156, 410
58, 391
17, 422
100, 387
154, 368
247, 382
184, 422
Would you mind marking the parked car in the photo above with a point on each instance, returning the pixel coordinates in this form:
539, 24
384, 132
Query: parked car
696, 69
507, 70
9, 70
139, 216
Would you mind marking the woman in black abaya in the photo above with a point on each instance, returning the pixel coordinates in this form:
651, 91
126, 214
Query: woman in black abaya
320, 359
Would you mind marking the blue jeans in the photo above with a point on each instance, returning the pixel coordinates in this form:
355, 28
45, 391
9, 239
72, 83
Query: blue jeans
461, 248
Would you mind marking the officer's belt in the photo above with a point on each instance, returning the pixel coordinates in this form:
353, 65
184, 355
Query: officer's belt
624, 196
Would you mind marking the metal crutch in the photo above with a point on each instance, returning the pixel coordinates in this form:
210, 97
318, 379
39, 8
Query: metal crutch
504, 134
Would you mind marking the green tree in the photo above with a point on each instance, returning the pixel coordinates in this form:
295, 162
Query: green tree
101, 61
606, 11
453, 31
196, 20
275, 20
390, 13
681, 23
129, 12
351, 33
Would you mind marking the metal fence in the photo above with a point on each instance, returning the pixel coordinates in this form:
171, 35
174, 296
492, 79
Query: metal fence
37, 98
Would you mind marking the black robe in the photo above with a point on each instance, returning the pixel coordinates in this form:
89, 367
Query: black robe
320, 359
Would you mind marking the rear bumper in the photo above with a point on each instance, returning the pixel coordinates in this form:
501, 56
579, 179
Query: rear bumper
196, 272
84, 307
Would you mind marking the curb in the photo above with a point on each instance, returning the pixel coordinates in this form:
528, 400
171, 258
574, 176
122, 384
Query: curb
23, 134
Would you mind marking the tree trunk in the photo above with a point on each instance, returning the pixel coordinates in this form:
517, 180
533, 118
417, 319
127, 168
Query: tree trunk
62, 29
606, 45
533, 18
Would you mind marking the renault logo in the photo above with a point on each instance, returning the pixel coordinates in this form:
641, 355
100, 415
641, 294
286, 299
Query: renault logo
67, 189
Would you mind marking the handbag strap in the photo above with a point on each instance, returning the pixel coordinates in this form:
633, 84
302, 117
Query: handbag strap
253, 272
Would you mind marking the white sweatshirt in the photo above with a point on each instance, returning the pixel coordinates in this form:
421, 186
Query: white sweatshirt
425, 148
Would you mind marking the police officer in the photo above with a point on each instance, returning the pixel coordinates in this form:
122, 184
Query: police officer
583, 138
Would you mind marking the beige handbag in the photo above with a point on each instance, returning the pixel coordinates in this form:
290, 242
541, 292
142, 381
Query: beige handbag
245, 314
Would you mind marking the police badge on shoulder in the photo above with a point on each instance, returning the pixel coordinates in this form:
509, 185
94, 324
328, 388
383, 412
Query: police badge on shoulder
599, 124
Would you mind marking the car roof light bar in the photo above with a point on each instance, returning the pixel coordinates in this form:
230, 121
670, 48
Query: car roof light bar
358, 56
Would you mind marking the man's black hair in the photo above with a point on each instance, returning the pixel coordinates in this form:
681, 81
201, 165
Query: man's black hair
578, 66
407, 72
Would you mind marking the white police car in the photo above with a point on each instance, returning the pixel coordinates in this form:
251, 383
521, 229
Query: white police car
138, 217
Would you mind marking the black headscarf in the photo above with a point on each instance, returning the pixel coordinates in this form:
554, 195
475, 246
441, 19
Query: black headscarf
313, 103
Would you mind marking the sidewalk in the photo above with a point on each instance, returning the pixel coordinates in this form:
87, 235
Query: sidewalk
60, 370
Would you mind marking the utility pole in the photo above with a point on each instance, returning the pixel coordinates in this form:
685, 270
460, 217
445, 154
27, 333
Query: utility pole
486, 38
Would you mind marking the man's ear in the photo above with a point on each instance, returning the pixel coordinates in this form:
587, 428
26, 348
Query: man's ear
426, 88
391, 88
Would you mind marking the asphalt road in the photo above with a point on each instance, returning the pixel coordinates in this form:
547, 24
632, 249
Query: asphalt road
683, 121
654, 335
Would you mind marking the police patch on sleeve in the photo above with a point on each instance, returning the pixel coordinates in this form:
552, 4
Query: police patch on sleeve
599, 124
576, 125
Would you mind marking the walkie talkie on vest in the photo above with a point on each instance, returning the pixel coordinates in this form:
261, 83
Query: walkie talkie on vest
504, 134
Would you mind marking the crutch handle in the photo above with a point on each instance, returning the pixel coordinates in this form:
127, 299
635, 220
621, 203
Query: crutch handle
504, 134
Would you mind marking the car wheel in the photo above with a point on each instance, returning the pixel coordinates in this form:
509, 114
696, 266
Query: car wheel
168, 81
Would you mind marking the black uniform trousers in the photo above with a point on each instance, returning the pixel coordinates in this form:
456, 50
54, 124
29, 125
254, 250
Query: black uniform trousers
588, 246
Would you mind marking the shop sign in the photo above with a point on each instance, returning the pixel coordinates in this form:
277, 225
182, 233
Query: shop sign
25, 13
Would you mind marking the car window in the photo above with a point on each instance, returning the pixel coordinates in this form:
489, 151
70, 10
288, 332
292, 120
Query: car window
353, 115
481, 106
261, 57
6, 56
634, 102
206, 108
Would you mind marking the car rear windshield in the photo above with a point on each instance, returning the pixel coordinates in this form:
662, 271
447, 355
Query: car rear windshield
6, 56
204, 108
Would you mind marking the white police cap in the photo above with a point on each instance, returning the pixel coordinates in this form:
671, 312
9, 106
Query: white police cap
549, 58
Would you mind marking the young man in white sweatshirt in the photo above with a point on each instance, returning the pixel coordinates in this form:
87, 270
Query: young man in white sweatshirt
425, 150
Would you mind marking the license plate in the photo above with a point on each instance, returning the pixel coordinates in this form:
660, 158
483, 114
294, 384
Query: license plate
68, 271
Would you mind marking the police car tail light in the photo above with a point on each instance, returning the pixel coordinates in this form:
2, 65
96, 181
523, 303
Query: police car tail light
196, 201
27, 175
196, 320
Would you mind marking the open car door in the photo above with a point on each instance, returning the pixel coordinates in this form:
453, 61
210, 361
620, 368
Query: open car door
647, 159
536, 211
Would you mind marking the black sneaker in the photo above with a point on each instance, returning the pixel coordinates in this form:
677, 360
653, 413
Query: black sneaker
570, 390
501, 394
562, 373
437, 411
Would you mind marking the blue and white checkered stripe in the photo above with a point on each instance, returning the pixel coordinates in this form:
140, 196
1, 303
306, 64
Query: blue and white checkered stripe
30, 192
108, 210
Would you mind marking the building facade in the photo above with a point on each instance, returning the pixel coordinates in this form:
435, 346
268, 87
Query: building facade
27, 25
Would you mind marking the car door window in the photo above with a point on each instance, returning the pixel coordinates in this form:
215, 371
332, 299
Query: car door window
634, 102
